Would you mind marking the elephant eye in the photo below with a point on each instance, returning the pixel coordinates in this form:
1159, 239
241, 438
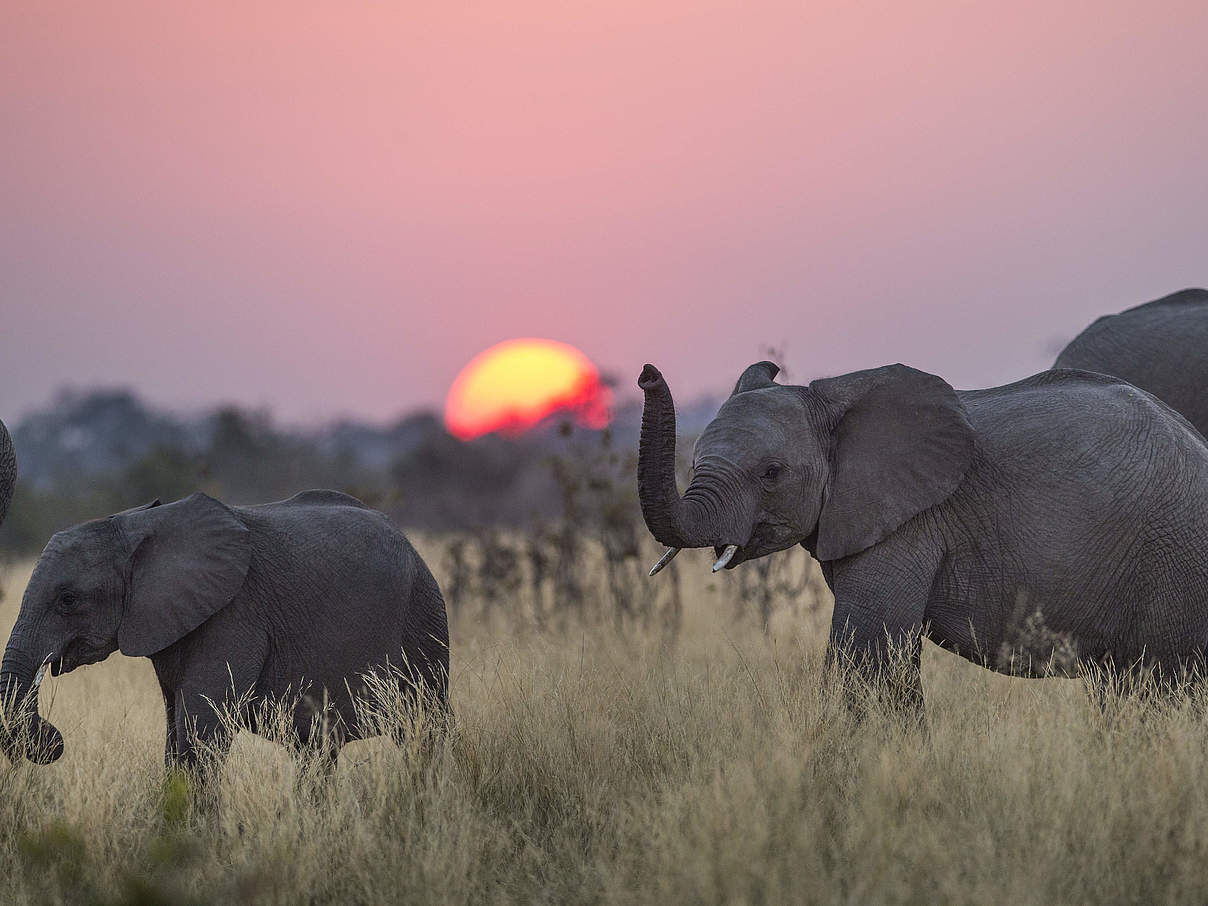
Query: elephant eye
68, 601
772, 472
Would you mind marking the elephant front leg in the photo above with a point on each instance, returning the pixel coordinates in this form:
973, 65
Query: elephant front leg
211, 704
204, 729
214, 689
877, 630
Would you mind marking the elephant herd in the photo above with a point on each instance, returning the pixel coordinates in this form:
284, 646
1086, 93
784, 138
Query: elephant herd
1058, 521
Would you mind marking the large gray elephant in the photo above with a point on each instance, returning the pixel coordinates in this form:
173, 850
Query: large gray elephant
1161, 346
1059, 519
290, 601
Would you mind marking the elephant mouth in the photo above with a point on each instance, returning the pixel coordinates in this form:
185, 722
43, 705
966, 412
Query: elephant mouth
80, 652
767, 538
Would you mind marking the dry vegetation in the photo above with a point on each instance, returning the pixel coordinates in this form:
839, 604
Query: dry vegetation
610, 761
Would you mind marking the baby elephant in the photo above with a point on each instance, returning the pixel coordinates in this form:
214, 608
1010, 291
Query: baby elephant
290, 601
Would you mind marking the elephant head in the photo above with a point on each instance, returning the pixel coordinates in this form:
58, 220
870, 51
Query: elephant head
138, 581
837, 465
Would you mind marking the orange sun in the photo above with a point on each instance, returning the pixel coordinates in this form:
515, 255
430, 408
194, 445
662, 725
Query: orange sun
517, 383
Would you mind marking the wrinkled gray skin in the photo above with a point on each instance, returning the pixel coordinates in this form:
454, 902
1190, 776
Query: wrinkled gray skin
1161, 346
954, 515
303, 594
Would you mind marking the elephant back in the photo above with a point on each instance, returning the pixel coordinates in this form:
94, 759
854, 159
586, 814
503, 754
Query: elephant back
1161, 347
1068, 429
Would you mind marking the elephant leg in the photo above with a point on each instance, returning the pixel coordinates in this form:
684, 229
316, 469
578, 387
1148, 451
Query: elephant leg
877, 629
319, 722
213, 702
319, 734
203, 736
171, 750
319, 731
317, 761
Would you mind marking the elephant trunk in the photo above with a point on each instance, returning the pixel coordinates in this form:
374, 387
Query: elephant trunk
8, 470
673, 520
23, 732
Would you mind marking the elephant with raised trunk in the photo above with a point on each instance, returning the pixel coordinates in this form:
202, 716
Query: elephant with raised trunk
1069, 501
294, 601
1161, 346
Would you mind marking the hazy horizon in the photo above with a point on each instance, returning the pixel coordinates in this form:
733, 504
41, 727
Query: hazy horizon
328, 209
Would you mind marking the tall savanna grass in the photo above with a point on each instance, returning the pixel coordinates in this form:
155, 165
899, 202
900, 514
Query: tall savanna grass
606, 763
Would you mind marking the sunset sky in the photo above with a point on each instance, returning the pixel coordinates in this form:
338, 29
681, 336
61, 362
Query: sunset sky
330, 207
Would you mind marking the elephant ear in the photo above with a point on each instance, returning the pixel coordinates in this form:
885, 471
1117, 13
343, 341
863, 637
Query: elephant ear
188, 560
757, 376
903, 444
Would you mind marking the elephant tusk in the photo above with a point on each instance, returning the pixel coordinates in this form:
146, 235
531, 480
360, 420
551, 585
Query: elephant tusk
42, 671
726, 556
665, 559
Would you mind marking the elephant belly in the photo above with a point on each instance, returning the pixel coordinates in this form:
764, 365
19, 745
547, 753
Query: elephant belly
1141, 609
335, 675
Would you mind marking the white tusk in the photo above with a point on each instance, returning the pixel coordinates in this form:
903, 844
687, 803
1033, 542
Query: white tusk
726, 556
665, 559
42, 670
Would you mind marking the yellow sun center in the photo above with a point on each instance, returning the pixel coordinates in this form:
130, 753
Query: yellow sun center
515, 384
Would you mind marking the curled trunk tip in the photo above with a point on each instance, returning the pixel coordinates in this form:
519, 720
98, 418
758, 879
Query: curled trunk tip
649, 378
23, 732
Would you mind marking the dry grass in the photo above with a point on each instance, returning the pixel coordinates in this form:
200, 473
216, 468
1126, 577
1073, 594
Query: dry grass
591, 768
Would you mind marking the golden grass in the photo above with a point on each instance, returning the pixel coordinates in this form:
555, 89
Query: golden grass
596, 769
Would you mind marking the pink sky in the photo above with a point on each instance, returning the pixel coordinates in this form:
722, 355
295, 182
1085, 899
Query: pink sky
329, 207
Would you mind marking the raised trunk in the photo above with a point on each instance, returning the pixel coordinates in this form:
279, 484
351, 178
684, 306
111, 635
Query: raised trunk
8, 470
672, 520
23, 732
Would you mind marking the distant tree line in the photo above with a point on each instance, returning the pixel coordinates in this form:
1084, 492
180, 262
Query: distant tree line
95, 454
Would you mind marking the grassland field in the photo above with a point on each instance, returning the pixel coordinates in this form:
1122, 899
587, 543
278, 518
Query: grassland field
597, 766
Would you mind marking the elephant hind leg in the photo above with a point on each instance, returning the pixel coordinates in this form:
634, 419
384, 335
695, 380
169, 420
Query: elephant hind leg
319, 736
320, 727
171, 746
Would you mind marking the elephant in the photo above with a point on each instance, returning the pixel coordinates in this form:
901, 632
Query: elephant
236, 606
1161, 346
1032, 528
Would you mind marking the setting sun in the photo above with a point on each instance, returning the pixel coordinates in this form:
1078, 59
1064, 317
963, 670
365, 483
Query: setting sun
513, 385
